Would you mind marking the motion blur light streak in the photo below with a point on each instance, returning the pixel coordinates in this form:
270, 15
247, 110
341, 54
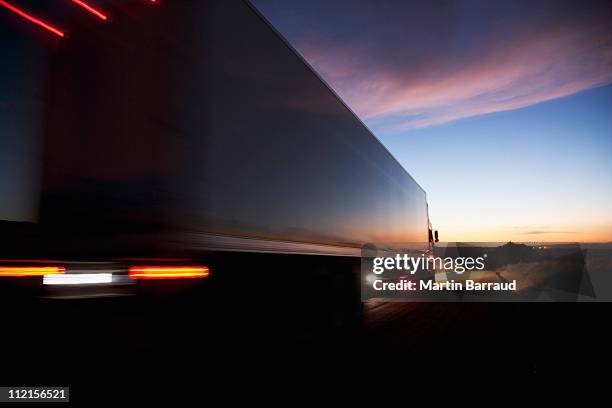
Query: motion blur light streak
78, 279
168, 272
92, 10
33, 19
31, 270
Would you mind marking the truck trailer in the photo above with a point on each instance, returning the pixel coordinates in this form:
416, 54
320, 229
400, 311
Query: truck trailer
187, 144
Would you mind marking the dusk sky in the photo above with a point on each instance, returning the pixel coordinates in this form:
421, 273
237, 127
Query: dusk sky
500, 110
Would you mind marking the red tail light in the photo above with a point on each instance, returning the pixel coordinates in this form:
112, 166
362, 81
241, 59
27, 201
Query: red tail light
168, 272
31, 18
91, 9
12, 271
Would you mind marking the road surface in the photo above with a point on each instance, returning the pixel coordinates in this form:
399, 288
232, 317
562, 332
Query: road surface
123, 347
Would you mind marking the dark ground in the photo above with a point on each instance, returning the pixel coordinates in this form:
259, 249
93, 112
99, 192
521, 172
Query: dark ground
119, 346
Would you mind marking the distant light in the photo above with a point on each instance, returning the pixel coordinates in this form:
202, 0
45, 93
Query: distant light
33, 19
14, 271
91, 9
78, 279
168, 272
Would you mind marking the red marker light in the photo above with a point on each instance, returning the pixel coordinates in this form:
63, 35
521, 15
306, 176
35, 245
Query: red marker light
92, 10
33, 19
168, 272
12, 271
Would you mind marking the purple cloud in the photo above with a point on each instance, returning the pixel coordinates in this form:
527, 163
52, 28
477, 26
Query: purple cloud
413, 66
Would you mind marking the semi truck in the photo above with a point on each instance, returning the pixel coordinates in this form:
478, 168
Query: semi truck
155, 145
